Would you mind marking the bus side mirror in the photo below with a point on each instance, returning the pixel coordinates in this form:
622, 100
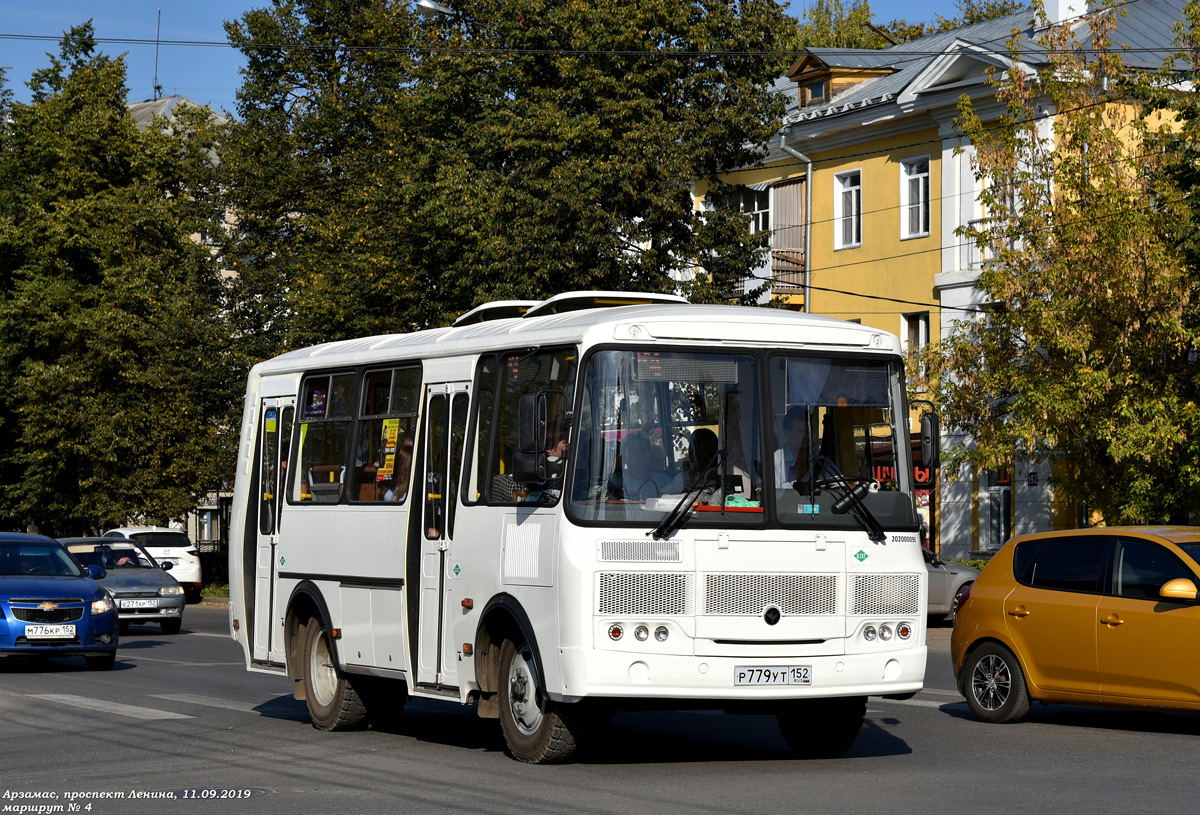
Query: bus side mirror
931, 442
531, 423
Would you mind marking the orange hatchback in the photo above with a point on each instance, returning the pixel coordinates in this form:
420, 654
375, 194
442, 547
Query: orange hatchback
1103, 617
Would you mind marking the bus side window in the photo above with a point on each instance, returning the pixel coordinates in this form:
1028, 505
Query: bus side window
552, 371
326, 414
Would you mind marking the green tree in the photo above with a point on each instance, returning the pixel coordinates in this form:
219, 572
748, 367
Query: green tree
112, 356
394, 170
834, 24
1087, 348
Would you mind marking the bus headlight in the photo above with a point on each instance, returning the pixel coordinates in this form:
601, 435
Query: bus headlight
885, 632
641, 633
869, 633
661, 633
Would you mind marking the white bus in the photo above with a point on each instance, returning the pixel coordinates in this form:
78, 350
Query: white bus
556, 510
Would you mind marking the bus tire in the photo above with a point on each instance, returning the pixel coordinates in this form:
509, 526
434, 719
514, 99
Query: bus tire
333, 704
822, 728
536, 730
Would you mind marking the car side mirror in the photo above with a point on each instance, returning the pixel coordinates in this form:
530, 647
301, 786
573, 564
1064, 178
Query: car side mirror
1178, 589
166, 567
96, 573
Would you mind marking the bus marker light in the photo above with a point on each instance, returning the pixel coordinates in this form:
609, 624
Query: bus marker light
336, 633
904, 631
467, 649
237, 624
468, 603
615, 631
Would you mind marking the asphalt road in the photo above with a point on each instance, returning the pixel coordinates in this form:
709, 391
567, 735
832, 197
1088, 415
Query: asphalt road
180, 715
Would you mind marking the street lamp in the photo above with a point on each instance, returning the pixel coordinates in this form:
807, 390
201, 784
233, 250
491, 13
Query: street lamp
432, 8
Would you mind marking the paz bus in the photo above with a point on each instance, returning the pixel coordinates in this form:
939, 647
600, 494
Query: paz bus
556, 510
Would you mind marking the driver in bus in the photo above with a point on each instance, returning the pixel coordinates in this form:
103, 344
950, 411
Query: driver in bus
547, 491
793, 457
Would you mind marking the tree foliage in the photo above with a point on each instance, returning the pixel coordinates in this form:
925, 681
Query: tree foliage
1087, 346
112, 356
834, 24
395, 170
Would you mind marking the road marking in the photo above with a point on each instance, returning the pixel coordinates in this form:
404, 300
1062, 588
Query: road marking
921, 703
224, 704
132, 711
207, 701
140, 658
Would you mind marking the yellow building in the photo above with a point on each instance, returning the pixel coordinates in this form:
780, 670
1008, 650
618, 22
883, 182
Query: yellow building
865, 188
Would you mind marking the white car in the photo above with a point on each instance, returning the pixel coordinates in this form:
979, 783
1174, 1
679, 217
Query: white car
947, 583
168, 546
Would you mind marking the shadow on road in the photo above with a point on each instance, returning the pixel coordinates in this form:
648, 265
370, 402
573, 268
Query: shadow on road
629, 738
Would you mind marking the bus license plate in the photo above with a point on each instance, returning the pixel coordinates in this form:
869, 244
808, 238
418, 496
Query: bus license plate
49, 632
139, 604
773, 675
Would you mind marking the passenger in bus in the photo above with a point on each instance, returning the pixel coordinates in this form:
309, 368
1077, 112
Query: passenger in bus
703, 453
398, 491
636, 479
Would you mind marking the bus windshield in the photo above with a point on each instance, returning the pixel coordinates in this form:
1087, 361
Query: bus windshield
658, 429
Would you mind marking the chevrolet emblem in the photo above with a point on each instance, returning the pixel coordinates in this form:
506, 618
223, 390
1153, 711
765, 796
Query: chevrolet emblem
48, 606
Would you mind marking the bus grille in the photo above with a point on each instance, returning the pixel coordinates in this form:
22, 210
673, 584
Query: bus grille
749, 594
648, 593
650, 551
876, 594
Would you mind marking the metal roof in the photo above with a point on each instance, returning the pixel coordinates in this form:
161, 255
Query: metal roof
1145, 33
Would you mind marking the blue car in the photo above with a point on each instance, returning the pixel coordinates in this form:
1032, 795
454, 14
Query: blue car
51, 606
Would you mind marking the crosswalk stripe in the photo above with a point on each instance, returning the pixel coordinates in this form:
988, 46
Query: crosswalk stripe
207, 701
132, 711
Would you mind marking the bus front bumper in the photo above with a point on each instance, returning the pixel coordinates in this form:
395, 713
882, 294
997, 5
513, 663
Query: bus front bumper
612, 674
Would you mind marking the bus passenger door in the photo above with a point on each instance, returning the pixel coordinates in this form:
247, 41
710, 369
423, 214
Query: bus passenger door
275, 433
445, 433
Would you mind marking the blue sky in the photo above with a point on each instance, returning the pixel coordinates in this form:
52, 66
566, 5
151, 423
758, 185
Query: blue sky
203, 73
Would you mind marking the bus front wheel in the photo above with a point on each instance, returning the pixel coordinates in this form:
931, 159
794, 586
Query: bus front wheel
333, 704
537, 730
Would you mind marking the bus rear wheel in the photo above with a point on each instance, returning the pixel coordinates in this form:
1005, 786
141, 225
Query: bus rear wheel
537, 730
333, 704
822, 728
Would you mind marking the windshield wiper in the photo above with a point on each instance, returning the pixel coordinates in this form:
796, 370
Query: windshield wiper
675, 518
850, 499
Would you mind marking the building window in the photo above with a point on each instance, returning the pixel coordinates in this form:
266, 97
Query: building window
914, 198
847, 210
815, 92
916, 331
756, 204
